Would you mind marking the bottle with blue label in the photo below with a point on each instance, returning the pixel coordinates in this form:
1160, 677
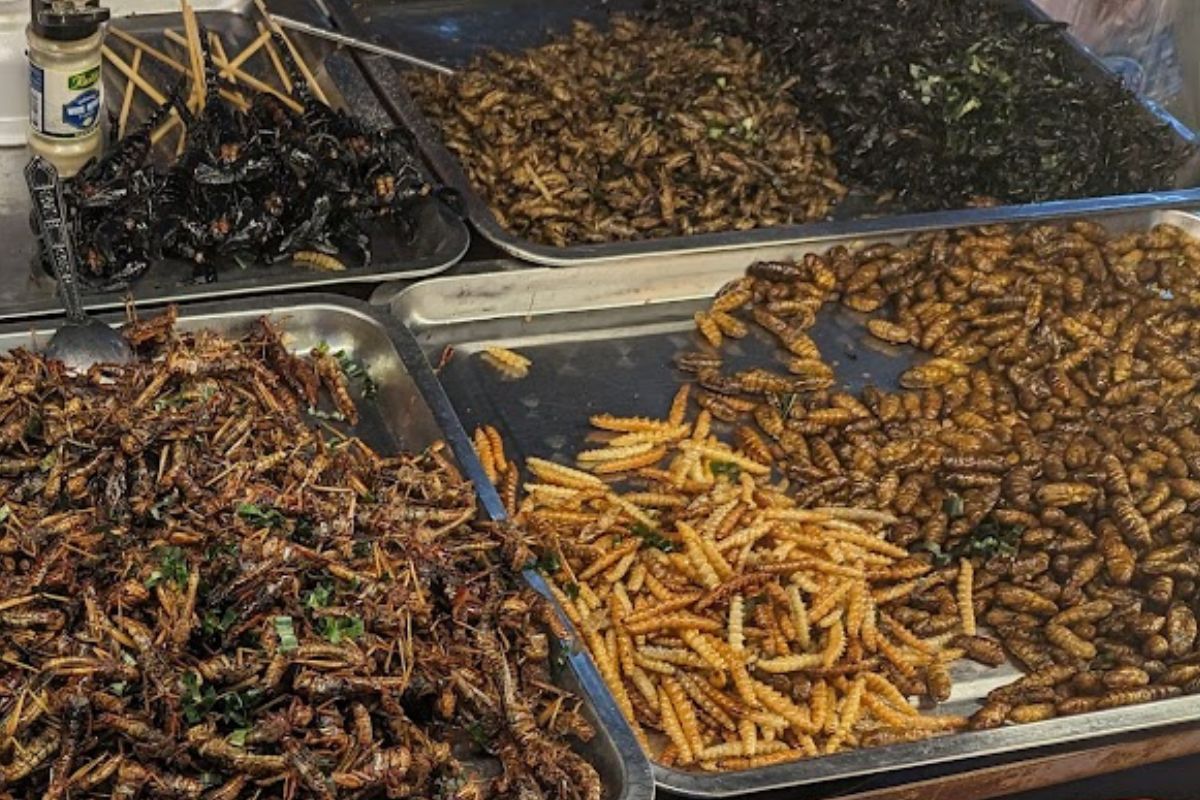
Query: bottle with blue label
66, 88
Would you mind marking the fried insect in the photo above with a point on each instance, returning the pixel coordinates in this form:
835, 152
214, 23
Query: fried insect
274, 608
507, 362
681, 154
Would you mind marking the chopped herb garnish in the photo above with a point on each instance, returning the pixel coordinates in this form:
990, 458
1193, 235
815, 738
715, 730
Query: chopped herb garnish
213, 623
572, 590
198, 698
726, 468
172, 566
338, 629
318, 597
355, 370
238, 737
286, 633
652, 538
547, 564
269, 518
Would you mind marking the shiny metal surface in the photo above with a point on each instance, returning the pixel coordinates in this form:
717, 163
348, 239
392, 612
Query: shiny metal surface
358, 44
409, 411
441, 238
603, 339
451, 32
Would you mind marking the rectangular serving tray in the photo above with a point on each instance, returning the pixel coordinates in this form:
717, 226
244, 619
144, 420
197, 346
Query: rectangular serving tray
441, 238
408, 411
452, 32
602, 340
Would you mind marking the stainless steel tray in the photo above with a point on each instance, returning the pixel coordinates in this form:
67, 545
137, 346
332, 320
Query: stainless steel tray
440, 240
452, 33
409, 411
604, 342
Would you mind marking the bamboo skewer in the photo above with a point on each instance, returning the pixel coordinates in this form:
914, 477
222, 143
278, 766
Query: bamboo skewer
303, 67
192, 31
134, 76
241, 57
275, 59
162, 58
149, 49
242, 103
245, 77
130, 90
154, 94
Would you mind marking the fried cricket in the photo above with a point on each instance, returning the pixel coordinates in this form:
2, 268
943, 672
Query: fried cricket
201, 592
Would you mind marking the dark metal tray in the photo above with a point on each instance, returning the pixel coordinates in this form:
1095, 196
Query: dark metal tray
409, 411
604, 342
451, 32
441, 239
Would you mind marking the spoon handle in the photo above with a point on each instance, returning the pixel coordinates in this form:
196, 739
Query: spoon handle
45, 190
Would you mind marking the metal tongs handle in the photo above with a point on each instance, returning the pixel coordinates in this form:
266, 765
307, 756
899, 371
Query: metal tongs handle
45, 189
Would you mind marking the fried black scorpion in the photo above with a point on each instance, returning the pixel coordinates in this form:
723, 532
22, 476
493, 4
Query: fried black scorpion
253, 187
202, 594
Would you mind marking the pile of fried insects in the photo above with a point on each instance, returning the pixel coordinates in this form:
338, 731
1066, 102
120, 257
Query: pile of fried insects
1030, 492
278, 177
202, 594
637, 132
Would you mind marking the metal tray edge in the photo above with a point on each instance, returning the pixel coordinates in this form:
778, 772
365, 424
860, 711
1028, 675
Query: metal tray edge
394, 95
638, 783
950, 749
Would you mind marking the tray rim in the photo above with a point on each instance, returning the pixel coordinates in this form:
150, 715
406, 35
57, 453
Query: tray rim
1072, 733
638, 783
341, 69
393, 92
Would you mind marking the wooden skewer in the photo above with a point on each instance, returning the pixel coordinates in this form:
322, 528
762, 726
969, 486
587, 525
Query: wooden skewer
218, 47
303, 67
150, 50
134, 77
242, 57
130, 91
195, 49
258, 85
275, 59
242, 103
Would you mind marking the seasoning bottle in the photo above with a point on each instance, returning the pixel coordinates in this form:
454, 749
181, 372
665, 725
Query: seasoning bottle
66, 91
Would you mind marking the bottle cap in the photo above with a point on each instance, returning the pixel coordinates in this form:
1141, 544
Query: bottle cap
67, 20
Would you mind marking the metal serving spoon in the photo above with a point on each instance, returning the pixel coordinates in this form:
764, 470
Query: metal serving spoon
81, 341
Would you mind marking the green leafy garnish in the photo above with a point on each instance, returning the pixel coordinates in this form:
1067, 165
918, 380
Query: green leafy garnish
726, 468
547, 564
172, 566
572, 590
652, 538
286, 634
989, 539
5, 513
238, 737
318, 597
355, 370
213, 623
269, 518
338, 629
198, 698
